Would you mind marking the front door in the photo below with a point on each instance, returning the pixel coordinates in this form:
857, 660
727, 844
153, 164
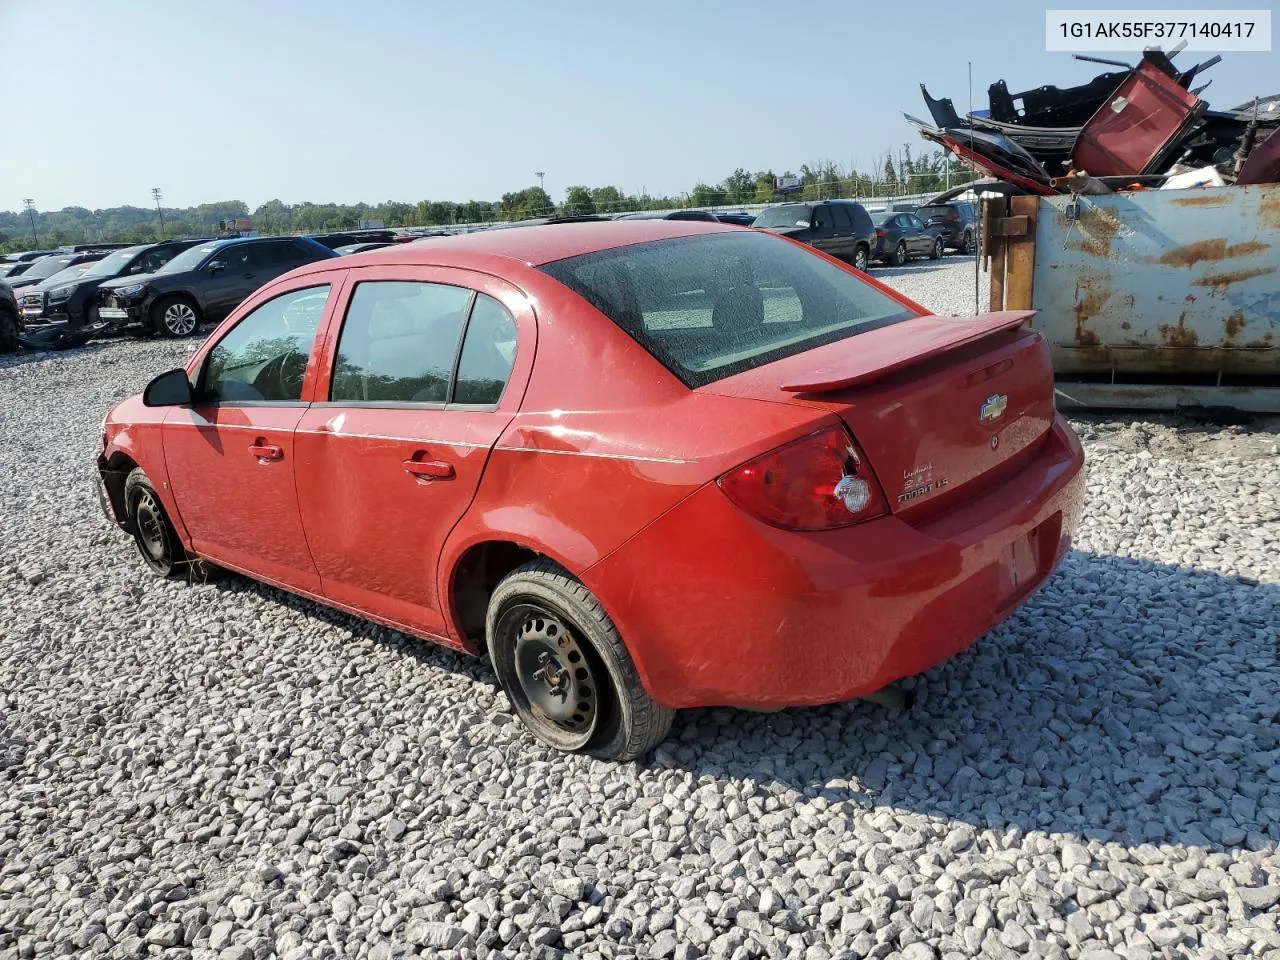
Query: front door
231, 457
418, 394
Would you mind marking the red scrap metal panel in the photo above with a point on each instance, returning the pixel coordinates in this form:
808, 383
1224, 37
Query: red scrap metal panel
1132, 130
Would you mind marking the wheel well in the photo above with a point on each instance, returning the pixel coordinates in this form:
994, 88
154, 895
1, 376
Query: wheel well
118, 469
475, 576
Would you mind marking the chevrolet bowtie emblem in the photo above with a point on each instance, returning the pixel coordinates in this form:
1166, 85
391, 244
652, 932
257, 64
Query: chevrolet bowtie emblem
994, 408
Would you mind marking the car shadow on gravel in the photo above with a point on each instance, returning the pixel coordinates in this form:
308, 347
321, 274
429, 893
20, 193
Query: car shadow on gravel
881, 271
1127, 701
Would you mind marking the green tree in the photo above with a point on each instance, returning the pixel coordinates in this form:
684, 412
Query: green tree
578, 202
525, 204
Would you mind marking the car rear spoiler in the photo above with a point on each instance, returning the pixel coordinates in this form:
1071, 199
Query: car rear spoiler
929, 337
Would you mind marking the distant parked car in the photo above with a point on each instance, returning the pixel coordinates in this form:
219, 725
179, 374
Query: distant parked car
361, 247
901, 236
672, 215
74, 298
46, 267
204, 282
958, 222
348, 237
841, 228
741, 219
16, 264
10, 322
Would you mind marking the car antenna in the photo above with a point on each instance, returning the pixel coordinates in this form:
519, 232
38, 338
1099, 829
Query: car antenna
981, 240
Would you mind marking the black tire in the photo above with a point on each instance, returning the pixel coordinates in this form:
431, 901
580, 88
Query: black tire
153, 534
90, 314
936, 252
176, 316
9, 331
966, 243
539, 607
899, 254
861, 259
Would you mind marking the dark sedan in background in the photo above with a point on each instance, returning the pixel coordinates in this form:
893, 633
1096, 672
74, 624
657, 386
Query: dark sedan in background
901, 236
74, 298
16, 264
203, 283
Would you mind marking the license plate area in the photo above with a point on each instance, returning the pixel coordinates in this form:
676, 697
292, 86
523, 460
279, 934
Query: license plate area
113, 313
1026, 560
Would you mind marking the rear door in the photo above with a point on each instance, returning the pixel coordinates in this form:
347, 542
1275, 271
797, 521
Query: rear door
426, 370
228, 277
823, 230
844, 242
920, 241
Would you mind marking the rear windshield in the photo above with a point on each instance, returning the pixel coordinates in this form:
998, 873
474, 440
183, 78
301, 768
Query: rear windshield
711, 306
790, 215
924, 213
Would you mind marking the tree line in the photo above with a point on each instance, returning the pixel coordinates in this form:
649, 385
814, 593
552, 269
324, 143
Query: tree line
898, 174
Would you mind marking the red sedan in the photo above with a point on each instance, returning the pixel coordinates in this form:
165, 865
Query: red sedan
642, 465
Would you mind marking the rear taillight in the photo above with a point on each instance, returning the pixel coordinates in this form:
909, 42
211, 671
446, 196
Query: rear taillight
953, 215
880, 234
819, 482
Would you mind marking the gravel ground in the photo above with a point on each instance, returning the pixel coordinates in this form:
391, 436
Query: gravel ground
225, 771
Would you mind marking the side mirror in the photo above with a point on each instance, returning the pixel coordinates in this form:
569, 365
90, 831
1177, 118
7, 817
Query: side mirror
171, 389
217, 265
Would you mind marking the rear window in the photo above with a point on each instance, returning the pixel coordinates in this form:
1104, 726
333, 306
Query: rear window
924, 213
711, 306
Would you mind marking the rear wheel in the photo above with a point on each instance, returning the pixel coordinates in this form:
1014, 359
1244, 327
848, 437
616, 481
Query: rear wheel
565, 669
966, 243
175, 317
936, 252
899, 254
9, 330
861, 259
157, 541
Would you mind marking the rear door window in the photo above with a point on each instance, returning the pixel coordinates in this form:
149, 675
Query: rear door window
840, 217
714, 305
488, 353
399, 342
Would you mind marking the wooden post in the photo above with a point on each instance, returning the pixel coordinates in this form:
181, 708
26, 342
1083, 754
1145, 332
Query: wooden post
1020, 258
993, 248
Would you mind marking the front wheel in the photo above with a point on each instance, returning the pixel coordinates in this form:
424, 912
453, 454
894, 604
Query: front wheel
9, 331
936, 252
157, 541
899, 254
565, 669
176, 317
861, 259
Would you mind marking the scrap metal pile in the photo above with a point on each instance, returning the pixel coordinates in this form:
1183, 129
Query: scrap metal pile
1139, 127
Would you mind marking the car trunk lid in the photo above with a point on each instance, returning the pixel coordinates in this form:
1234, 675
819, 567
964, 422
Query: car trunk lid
937, 404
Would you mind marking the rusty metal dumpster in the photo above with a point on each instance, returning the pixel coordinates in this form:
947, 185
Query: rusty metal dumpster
1151, 299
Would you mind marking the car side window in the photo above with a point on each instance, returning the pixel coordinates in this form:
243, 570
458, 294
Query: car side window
488, 353
398, 342
840, 217
822, 217
271, 254
916, 222
234, 259
262, 358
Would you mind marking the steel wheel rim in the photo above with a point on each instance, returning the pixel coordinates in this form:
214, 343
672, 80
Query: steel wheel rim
900, 254
149, 522
557, 681
179, 318
860, 260
937, 249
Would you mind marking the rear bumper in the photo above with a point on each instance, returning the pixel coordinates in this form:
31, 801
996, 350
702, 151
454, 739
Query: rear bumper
719, 609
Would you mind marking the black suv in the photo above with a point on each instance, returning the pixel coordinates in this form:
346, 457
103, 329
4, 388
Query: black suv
841, 228
700, 215
956, 220
203, 283
75, 299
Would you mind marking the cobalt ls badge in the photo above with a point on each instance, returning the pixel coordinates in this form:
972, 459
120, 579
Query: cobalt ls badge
994, 408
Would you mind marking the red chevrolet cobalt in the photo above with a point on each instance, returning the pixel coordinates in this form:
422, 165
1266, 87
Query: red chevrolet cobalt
642, 465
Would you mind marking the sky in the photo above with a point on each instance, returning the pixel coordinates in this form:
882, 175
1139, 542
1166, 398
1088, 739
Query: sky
377, 100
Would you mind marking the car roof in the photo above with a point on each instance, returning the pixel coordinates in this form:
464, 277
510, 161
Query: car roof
533, 245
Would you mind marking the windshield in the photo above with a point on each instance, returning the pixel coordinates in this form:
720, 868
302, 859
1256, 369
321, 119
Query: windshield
789, 215
714, 305
110, 266
190, 258
47, 267
68, 274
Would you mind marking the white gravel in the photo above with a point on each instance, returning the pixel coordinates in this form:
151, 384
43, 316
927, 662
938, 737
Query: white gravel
223, 771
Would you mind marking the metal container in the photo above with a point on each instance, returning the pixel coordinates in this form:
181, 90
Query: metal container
1149, 299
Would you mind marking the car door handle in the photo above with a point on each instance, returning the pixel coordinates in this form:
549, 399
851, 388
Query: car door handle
426, 470
266, 451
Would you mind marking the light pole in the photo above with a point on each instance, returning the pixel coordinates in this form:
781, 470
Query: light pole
30, 206
540, 174
156, 195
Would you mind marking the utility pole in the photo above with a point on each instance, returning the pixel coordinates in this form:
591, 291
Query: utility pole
30, 206
155, 193
540, 174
